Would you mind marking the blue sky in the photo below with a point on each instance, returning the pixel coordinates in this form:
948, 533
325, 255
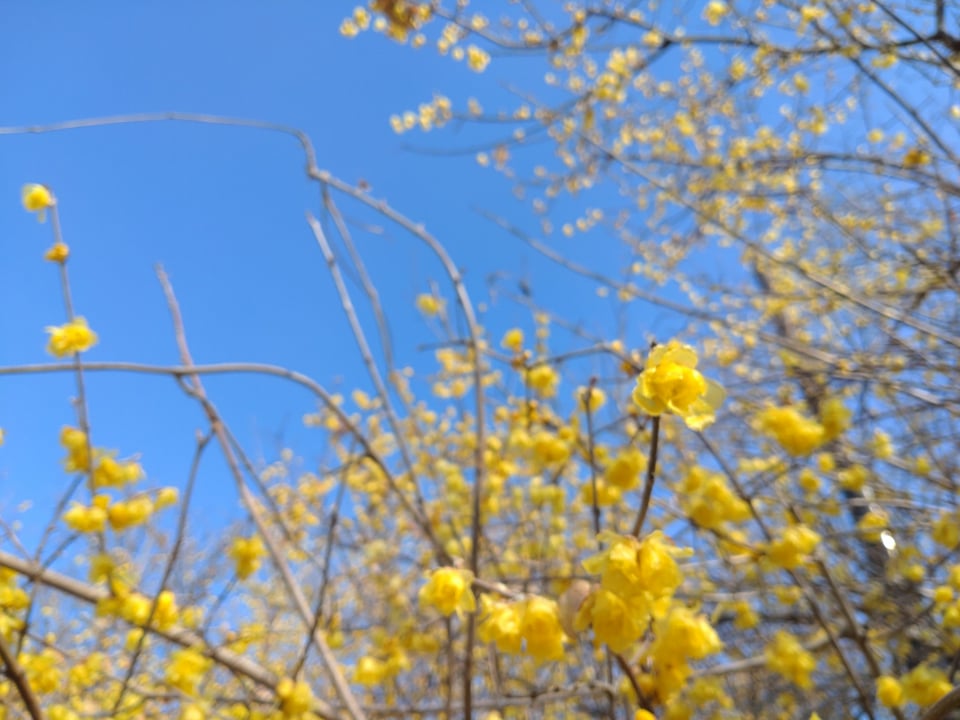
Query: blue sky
223, 210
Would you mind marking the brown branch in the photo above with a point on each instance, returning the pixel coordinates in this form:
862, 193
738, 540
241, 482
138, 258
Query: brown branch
18, 676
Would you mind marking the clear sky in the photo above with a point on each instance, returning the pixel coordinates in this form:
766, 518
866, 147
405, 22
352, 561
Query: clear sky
223, 210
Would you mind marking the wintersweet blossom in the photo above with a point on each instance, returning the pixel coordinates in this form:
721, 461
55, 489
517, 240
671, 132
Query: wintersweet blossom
787, 657
797, 433
186, 668
629, 566
889, 691
793, 546
296, 698
671, 383
248, 554
448, 590
501, 625
58, 252
36, 198
541, 629
72, 337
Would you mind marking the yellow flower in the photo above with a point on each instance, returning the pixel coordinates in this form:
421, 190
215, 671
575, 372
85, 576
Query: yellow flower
78, 450
671, 383
369, 671
617, 622
512, 340
590, 398
924, 685
715, 11
43, 670
543, 379
187, 667
429, 305
73, 337
247, 553
681, 636
501, 625
166, 497
296, 698
85, 519
630, 567
540, 627
36, 199
477, 59
834, 417
58, 252
792, 547
889, 691
624, 470
108, 472
125, 514
787, 657
797, 433
448, 590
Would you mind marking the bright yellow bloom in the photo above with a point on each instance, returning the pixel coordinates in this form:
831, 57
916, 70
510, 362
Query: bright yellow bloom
296, 698
889, 691
501, 625
787, 657
247, 553
166, 497
708, 500
543, 380
477, 59
616, 621
540, 627
73, 337
43, 670
85, 519
670, 383
448, 590
78, 449
797, 433
793, 546
429, 305
715, 11
108, 472
946, 530
36, 199
681, 636
187, 667
925, 685
624, 470
125, 514
369, 671
629, 567
512, 340
591, 398
58, 252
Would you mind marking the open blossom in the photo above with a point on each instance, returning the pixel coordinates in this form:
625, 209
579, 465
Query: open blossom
540, 627
787, 657
36, 198
73, 337
247, 553
671, 383
797, 433
448, 590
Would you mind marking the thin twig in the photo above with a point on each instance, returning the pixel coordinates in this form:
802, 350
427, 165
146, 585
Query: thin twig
650, 479
18, 676
286, 575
